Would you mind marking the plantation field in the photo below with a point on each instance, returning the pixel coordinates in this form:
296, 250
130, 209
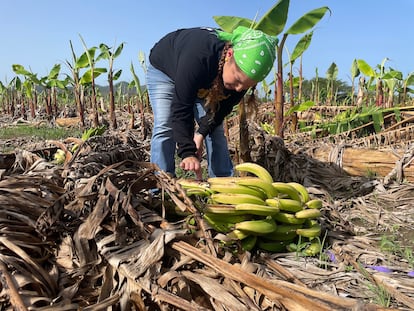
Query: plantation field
102, 195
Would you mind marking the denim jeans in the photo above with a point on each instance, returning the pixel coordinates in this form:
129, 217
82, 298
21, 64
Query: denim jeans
163, 147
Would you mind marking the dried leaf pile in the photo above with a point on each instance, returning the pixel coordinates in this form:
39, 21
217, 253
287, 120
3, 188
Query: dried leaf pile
93, 235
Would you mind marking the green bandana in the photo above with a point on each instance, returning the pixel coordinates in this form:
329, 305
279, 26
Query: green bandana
254, 51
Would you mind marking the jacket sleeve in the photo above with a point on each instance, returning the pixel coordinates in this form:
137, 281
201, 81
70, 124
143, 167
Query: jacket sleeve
187, 82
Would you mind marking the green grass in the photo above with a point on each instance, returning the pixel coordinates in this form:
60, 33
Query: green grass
35, 133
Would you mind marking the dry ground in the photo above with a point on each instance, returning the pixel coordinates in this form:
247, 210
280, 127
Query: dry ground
90, 234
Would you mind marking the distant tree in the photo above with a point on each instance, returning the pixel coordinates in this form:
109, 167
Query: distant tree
339, 87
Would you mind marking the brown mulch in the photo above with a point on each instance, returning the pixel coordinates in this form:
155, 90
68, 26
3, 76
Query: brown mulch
92, 235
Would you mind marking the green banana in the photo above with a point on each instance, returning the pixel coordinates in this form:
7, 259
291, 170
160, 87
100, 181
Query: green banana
257, 226
255, 169
301, 189
219, 226
285, 228
288, 218
314, 203
200, 192
60, 156
271, 246
313, 249
286, 236
256, 209
265, 186
311, 232
236, 198
226, 179
192, 184
229, 218
237, 188
309, 213
221, 209
290, 191
287, 205
248, 243
237, 235
309, 222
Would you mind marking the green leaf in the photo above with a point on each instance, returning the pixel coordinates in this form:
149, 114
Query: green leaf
103, 47
19, 69
301, 46
274, 20
354, 70
86, 77
365, 68
307, 21
54, 73
118, 50
393, 74
82, 61
99, 71
332, 72
117, 75
229, 23
378, 121
410, 79
301, 107
397, 113
18, 83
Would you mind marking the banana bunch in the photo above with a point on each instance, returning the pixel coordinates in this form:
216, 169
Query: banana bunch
258, 211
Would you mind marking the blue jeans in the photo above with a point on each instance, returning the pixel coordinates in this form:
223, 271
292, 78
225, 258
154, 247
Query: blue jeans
163, 147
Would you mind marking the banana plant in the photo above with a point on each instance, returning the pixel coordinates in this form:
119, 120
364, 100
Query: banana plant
298, 51
141, 93
273, 23
110, 54
355, 73
74, 79
331, 76
390, 78
27, 86
408, 81
87, 61
3, 96
51, 83
6, 93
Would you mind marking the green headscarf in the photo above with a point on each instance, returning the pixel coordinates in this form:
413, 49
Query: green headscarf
254, 51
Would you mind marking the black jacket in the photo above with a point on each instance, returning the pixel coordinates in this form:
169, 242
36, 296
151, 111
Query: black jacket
190, 58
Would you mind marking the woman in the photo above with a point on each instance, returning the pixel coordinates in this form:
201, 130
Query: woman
201, 74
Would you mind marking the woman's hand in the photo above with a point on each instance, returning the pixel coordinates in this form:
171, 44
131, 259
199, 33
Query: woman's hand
192, 164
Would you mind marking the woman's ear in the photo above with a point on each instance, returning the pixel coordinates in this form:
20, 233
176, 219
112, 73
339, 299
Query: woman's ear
229, 53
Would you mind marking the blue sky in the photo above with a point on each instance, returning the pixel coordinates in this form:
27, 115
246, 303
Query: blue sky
36, 34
